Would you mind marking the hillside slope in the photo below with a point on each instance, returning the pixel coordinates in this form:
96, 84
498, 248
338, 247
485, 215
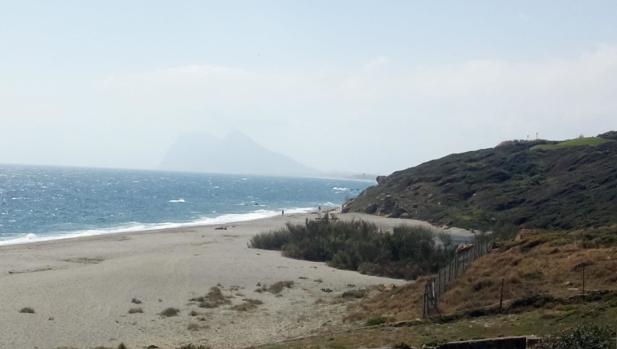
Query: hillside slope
518, 184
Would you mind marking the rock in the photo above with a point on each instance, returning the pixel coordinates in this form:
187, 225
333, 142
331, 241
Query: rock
371, 208
381, 180
387, 207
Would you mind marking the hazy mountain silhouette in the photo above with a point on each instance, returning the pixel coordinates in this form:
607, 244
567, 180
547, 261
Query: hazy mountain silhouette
235, 153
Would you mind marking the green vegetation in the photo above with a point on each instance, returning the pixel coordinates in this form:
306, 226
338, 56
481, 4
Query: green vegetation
587, 337
136, 311
518, 184
577, 142
552, 319
169, 312
407, 252
374, 321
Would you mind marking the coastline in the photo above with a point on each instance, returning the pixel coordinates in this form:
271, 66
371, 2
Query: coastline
227, 218
81, 289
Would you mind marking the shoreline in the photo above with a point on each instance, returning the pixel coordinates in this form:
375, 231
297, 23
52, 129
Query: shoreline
31, 238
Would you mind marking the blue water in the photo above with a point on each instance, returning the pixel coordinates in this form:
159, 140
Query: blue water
41, 203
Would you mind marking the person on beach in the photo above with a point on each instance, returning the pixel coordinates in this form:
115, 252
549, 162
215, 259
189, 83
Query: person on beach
282, 212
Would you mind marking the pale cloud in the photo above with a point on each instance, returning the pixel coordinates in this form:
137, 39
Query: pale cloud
379, 107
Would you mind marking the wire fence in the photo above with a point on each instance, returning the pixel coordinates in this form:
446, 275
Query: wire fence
440, 283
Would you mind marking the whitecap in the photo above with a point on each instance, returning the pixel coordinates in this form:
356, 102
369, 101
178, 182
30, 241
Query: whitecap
180, 200
339, 189
138, 227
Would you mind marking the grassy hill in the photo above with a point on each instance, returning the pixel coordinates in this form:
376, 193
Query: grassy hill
518, 184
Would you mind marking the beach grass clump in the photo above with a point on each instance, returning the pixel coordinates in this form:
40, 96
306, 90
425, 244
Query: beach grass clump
214, 299
247, 305
273, 240
26, 310
375, 321
406, 252
169, 312
192, 346
278, 286
135, 301
136, 311
350, 294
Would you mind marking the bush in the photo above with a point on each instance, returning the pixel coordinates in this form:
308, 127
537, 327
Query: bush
406, 252
27, 310
582, 337
374, 321
170, 312
274, 240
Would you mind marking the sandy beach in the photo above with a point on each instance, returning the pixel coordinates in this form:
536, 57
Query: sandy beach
81, 289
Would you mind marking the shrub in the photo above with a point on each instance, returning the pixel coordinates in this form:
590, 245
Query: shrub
135, 311
587, 337
213, 299
374, 321
277, 287
170, 312
27, 310
406, 252
270, 241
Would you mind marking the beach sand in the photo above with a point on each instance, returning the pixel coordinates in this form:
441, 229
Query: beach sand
81, 289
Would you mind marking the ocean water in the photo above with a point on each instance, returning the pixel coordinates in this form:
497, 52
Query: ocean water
43, 203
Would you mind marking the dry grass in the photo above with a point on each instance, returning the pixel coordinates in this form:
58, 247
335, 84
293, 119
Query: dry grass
397, 304
542, 263
247, 305
277, 287
213, 299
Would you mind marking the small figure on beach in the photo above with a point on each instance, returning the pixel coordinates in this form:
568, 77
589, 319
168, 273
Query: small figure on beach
282, 212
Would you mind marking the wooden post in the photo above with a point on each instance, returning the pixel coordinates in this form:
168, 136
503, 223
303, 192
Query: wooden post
501, 296
424, 303
583, 280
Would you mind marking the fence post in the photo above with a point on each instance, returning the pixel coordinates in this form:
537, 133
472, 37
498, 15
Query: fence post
583, 280
501, 296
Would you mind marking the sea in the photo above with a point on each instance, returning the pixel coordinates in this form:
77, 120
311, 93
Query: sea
47, 203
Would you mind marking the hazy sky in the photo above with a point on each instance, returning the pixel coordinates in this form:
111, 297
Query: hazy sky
359, 86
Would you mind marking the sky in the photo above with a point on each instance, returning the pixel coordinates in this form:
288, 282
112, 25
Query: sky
355, 86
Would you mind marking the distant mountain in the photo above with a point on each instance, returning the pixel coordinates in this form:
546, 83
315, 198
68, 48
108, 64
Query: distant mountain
236, 153
518, 184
